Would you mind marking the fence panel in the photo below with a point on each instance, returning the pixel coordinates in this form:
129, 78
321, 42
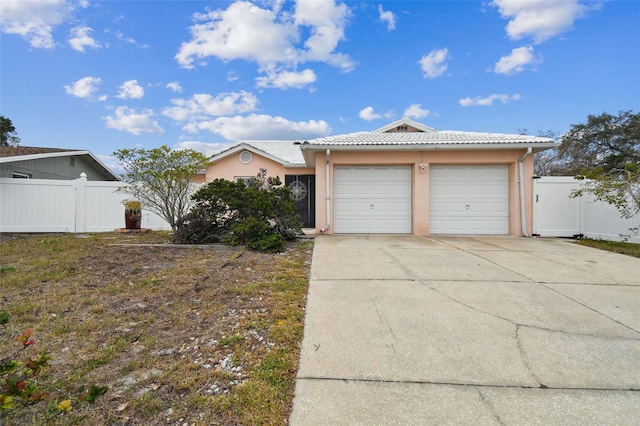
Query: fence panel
554, 213
602, 221
557, 215
37, 205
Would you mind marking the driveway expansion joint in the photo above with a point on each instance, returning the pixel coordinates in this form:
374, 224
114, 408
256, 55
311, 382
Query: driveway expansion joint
591, 309
465, 385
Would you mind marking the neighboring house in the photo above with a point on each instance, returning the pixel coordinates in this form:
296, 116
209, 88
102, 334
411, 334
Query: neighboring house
404, 178
51, 163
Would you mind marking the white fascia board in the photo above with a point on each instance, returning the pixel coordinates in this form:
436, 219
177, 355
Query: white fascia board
42, 155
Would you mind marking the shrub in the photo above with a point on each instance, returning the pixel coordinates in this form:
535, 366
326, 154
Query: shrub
260, 214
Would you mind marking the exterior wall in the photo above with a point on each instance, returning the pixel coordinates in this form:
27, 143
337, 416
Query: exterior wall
199, 178
63, 168
231, 167
420, 185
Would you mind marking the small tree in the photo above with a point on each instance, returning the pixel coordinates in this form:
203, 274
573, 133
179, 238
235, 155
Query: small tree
160, 178
8, 135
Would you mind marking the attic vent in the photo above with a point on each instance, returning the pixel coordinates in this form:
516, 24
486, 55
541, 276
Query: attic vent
245, 157
403, 128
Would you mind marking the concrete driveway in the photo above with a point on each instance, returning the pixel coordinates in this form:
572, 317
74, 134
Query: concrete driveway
460, 330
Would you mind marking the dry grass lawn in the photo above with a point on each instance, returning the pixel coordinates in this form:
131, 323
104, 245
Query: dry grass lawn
180, 335
629, 249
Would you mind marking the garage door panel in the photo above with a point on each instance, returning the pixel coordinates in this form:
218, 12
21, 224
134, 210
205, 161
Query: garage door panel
371, 199
469, 199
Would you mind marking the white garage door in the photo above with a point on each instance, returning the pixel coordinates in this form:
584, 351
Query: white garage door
372, 199
468, 200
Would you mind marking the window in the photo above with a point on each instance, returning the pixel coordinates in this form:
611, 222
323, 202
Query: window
244, 179
245, 157
18, 175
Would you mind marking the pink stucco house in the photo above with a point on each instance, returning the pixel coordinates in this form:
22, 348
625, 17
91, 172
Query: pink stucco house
404, 178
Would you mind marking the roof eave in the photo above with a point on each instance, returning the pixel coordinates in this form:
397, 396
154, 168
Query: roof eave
14, 158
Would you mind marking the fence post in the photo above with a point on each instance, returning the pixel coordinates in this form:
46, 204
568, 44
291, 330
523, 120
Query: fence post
80, 202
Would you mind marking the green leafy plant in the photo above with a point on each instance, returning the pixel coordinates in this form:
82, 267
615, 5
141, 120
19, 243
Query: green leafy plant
260, 214
20, 387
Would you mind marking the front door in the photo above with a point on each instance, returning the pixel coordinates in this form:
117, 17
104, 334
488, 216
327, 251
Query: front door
303, 191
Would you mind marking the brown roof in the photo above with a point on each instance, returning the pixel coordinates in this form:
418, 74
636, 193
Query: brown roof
9, 151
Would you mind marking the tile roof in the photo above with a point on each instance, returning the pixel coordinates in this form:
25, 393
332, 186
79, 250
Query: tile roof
285, 152
447, 137
9, 151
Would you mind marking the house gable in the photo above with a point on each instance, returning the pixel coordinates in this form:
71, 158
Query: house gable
245, 159
52, 163
404, 125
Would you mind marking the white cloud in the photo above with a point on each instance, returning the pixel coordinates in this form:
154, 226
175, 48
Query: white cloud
242, 31
133, 121
85, 88
368, 114
516, 61
79, 38
287, 79
203, 106
174, 86
207, 148
540, 20
120, 36
434, 64
112, 163
489, 100
272, 38
130, 90
416, 111
326, 21
388, 17
256, 126
34, 20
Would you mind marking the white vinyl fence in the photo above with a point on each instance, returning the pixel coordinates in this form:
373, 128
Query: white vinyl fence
42, 205
38, 205
557, 215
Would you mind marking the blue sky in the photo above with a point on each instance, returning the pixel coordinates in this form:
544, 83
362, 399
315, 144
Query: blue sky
106, 75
